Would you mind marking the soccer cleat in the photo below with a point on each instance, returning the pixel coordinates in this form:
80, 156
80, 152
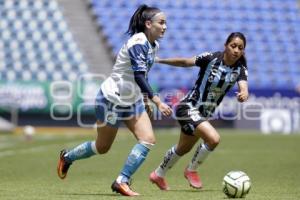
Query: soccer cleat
159, 181
193, 178
123, 189
63, 166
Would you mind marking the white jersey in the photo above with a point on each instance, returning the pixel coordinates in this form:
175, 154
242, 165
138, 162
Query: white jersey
136, 55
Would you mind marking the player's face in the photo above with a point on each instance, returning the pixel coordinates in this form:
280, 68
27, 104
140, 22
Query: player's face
234, 49
157, 26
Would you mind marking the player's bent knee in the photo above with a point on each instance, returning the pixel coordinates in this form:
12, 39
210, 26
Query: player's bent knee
182, 152
148, 140
213, 142
147, 143
151, 141
103, 149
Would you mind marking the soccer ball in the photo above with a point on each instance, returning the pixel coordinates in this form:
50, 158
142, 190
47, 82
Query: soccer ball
236, 184
28, 132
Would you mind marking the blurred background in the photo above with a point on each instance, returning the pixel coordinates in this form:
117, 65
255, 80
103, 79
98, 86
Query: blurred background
54, 54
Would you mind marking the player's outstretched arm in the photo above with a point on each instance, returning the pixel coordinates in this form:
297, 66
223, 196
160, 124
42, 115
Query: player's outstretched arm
179, 62
243, 93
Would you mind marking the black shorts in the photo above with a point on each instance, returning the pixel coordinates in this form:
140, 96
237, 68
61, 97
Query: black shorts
188, 117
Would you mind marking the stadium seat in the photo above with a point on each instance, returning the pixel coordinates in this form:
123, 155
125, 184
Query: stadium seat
197, 26
37, 42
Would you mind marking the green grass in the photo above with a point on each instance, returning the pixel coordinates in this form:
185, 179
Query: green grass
28, 168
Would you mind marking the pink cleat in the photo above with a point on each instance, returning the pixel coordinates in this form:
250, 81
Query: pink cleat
159, 181
193, 178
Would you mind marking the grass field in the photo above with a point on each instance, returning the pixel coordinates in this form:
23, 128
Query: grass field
28, 168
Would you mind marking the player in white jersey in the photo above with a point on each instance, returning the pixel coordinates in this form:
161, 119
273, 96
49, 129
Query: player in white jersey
120, 99
137, 55
219, 71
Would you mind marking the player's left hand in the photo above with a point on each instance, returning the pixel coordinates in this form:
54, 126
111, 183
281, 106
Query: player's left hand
242, 96
165, 109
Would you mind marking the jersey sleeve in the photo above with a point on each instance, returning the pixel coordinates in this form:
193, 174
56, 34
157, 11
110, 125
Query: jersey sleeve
140, 79
243, 74
203, 59
138, 57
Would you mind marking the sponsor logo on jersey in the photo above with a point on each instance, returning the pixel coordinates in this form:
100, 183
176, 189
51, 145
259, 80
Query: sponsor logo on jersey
211, 78
194, 115
138, 39
233, 76
111, 117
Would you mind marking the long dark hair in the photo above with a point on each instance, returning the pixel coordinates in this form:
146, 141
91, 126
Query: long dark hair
242, 37
140, 16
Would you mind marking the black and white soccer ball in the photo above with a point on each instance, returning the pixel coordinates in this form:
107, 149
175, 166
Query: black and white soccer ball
236, 184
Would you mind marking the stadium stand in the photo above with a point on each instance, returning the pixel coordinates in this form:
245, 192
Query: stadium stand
43, 41
36, 44
271, 27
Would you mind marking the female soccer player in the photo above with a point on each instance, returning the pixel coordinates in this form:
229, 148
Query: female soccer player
218, 73
120, 99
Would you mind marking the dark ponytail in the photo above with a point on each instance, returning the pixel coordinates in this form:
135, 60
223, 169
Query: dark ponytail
140, 16
240, 35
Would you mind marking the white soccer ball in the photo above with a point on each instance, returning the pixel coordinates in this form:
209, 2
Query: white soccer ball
29, 131
236, 184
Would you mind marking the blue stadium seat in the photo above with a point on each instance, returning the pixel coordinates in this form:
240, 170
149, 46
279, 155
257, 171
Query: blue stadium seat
197, 26
37, 42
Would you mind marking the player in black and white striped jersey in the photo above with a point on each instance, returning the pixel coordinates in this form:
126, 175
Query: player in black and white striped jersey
219, 71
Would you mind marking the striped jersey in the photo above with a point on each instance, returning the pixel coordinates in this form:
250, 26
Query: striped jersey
214, 80
137, 54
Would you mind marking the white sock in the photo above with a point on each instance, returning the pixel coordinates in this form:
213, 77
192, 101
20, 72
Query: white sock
169, 160
200, 155
119, 179
94, 148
